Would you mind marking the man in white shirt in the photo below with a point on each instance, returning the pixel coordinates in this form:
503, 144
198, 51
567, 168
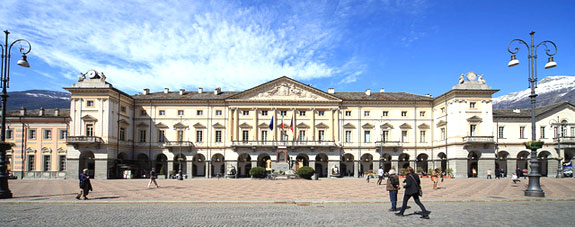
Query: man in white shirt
380, 173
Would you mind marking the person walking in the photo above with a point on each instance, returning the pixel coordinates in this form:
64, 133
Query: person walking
473, 172
153, 177
497, 174
518, 172
393, 187
85, 185
489, 174
435, 178
380, 173
412, 189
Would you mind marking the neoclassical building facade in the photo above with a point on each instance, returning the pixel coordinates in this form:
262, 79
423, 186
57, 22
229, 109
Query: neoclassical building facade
208, 133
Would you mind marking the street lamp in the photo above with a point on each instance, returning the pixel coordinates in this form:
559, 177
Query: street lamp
24, 48
534, 188
559, 128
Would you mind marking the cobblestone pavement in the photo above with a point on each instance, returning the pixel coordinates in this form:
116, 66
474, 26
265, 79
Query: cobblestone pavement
553, 213
252, 190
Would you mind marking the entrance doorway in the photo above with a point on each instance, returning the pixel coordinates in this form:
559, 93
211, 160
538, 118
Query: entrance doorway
87, 162
321, 161
347, 165
472, 159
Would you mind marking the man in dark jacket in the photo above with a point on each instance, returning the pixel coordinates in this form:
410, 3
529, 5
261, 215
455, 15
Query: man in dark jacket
497, 173
85, 185
412, 189
393, 186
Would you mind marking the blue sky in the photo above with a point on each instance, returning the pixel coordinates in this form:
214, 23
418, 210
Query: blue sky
417, 46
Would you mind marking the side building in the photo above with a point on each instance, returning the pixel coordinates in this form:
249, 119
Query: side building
209, 133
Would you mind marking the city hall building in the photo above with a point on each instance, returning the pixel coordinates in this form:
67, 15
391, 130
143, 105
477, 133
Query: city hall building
209, 133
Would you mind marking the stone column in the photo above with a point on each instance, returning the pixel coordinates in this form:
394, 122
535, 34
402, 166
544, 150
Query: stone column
333, 128
256, 129
459, 167
208, 169
395, 165
312, 110
254, 164
72, 171
275, 128
552, 164
189, 167
336, 126
101, 169
484, 164
237, 125
511, 167
330, 165
355, 168
230, 128
375, 165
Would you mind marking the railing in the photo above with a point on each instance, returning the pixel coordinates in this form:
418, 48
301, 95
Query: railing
565, 139
177, 144
251, 143
84, 139
478, 139
387, 143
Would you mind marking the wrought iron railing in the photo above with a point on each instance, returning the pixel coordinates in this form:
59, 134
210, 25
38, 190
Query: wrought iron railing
84, 139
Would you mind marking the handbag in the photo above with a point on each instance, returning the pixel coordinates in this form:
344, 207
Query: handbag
418, 186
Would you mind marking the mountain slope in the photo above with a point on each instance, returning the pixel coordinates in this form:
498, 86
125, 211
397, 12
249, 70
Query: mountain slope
550, 90
34, 99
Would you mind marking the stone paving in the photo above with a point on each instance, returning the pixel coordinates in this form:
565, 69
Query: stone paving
347, 190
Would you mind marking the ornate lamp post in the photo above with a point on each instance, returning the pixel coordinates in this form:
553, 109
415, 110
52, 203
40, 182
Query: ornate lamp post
534, 188
24, 48
558, 126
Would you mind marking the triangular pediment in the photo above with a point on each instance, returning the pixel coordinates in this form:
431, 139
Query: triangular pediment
386, 126
321, 125
160, 125
123, 121
263, 125
423, 126
348, 125
284, 89
405, 126
180, 125
245, 125
474, 119
142, 125
302, 125
367, 125
218, 125
89, 118
441, 123
198, 125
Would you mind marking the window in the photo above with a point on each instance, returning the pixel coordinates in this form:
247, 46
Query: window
422, 113
500, 132
162, 112
385, 113
218, 112
9, 133
161, 136
246, 112
180, 135
302, 113
245, 135
199, 136
264, 112
90, 103
180, 112
301, 135
321, 135
563, 128
89, 129
47, 134
366, 136
122, 134
31, 163
62, 165
522, 132
403, 136
320, 113
32, 134
472, 105
422, 136
63, 134
264, 135
442, 109
404, 113
142, 113
122, 109
348, 136
201, 112
348, 113
46, 162
472, 130
283, 113
385, 136
542, 130
443, 134
366, 113
142, 136
218, 136
572, 131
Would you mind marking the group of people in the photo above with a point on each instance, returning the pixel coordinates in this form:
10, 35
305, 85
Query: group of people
500, 173
412, 190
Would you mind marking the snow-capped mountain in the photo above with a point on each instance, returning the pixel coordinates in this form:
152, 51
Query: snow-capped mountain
35, 99
550, 90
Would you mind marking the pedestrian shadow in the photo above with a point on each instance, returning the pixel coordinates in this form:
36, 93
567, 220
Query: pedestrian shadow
106, 197
43, 196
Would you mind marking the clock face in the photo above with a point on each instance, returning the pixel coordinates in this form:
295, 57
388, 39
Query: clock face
91, 73
471, 76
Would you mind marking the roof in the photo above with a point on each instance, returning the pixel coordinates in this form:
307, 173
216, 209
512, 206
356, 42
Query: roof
188, 95
48, 113
381, 96
526, 113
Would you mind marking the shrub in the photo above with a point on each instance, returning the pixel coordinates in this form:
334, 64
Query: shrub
402, 171
258, 172
305, 172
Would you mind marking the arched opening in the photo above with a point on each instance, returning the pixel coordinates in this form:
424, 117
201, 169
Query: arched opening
262, 160
143, 166
161, 165
366, 163
122, 157
122, 167
443, 159
180, 161
87, 162
244, 165
321, 164
218, 166
347, 165
421, 162
543, 163
386, 162
522, 160
472, 159
301, 160
199, 165
403, 161
501, 163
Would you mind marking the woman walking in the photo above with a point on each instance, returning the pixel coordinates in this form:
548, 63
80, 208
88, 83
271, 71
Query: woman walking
153, 176
435, 178
412, 189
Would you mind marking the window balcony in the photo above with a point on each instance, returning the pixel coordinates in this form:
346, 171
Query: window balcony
566, 141
388, 144
84, 140
478, 140
293, 144
173, 144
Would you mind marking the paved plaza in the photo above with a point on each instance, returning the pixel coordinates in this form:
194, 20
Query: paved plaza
346, 190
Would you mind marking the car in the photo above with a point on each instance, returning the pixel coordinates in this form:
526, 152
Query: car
567, 169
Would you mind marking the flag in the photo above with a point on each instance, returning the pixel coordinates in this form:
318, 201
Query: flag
282, 124
272, 124
291, 124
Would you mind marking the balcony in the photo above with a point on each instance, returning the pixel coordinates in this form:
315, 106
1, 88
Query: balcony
84, 140
292, 144
478, 140
172, 144
388, 144
566, 141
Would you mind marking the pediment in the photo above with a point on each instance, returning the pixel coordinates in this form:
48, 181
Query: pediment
423, 126
263, 125
124, 122
441, 123
302, 125
142, 125
46, 150
245, 125
474, 119
284, 89
160, 125
386, 126
62, 151
349, 125
30, 150
218, 125
89, 118
198, 125
180, 125
321, 125
367, 125
405, 126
